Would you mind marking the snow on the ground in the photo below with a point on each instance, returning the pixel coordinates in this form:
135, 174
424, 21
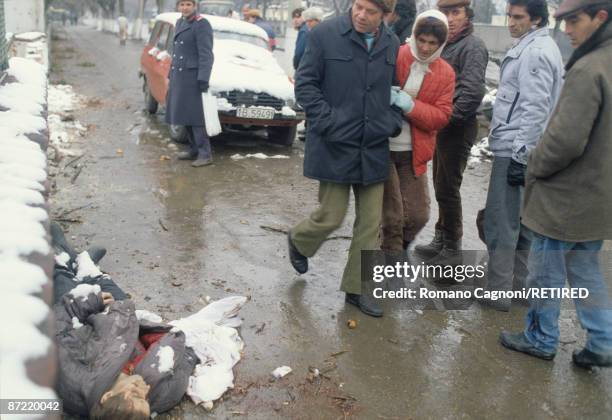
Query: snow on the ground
63, 127
212, 334
260, 155
22, 177
480, 152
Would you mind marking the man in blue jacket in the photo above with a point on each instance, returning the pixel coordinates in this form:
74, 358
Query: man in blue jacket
530, 84
192, 60
300, 43
344, 85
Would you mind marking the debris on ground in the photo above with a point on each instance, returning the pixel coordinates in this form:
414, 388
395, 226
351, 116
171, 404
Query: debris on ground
281, 371
238, 156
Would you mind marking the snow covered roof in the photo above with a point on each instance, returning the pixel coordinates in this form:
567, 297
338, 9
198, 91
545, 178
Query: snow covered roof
222, 24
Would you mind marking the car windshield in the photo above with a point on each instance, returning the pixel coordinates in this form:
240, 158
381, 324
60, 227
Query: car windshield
215, 9
241, 37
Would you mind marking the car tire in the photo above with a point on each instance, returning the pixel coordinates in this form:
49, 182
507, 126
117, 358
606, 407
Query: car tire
151, 104
285, 136
178, 133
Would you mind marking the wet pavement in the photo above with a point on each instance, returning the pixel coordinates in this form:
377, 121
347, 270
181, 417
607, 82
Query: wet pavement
176, 235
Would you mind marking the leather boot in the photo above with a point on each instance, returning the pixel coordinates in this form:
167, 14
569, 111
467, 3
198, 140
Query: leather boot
433, 248
366, 304
449, 255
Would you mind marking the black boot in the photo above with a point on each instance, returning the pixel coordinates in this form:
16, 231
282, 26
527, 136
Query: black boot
298, 261
366, 304
449, 255
96, 253
433, 248
587, 359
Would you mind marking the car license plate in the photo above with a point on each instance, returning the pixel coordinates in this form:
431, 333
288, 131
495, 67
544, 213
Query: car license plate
256, 113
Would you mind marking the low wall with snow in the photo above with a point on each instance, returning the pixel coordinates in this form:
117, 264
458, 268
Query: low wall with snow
27, 356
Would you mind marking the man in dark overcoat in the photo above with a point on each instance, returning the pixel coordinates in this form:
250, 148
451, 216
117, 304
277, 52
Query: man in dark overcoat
344, 85
192, 61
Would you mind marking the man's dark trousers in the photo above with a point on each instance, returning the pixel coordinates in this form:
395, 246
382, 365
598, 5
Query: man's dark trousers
453, 147
199, 142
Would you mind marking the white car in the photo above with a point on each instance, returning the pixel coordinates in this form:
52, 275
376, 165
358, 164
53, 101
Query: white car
253, 91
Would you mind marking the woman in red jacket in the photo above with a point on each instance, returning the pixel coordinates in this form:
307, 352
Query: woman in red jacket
426, 98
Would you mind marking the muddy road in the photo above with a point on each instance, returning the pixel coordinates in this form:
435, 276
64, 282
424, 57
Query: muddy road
176, 234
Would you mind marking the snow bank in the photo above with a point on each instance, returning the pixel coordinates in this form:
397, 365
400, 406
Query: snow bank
63, 127
22, 177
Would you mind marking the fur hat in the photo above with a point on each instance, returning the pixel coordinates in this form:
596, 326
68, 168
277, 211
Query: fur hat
447, 4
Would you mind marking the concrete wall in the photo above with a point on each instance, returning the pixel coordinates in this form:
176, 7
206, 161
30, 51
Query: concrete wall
498, 40
24, 15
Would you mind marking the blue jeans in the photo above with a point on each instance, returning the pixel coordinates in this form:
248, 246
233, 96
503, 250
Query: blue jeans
552, 261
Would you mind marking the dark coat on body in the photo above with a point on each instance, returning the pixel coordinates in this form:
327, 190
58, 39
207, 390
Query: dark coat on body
91, 356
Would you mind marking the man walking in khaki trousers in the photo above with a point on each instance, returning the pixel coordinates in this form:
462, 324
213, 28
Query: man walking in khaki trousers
344, 84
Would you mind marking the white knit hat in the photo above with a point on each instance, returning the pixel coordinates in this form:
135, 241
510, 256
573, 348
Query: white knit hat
313, 13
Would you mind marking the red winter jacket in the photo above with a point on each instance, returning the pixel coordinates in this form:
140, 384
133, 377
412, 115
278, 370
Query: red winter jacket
432, 107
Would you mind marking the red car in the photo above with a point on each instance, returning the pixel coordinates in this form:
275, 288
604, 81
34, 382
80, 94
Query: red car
252, 90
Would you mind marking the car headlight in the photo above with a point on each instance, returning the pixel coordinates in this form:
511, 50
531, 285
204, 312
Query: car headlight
290, 103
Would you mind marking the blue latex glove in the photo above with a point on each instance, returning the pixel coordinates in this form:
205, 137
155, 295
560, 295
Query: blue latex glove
401, 99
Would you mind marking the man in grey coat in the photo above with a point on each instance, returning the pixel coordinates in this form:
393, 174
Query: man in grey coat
568, 194
192, 61
344, 85
530, 83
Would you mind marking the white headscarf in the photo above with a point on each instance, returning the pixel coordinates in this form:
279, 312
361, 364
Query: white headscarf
420, 67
